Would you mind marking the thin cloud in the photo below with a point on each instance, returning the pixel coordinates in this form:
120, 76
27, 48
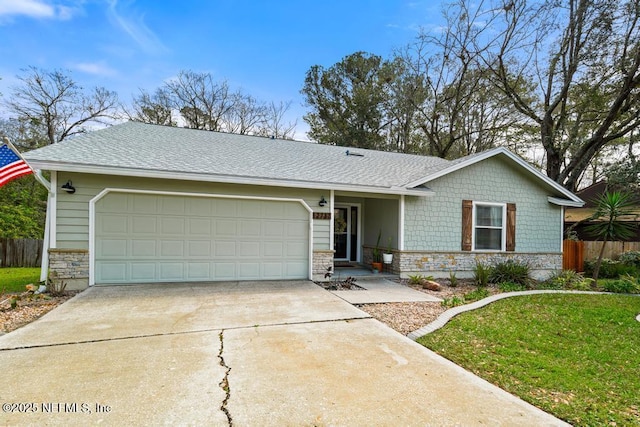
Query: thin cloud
135, 28
36, 9
95, 68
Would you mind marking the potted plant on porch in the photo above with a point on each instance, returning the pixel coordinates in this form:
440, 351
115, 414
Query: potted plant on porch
376, 264
387, 257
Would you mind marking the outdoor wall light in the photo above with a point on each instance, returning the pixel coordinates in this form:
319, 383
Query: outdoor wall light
68, 187
322, 202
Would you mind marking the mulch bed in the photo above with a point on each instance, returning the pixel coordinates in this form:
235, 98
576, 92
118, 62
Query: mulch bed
27, 310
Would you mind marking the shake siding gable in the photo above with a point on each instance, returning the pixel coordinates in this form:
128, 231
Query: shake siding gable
435, 224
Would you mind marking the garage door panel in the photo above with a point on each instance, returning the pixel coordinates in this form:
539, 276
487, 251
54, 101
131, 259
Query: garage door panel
199, 227
297, 229
248, 249
272, 270
250, 229
112, 272
273, 249
199, 248
171, 271
144, 248
140, 203
225, 270
151, 238
225, 248
199, 206
198, 270
118, 203
113, 224
225, 208
225, 228
172, 226
172, 248
113, 248
248, 270
144, 224
142, 271
172, 205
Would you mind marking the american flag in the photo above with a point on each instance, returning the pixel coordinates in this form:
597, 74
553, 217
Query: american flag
12, 166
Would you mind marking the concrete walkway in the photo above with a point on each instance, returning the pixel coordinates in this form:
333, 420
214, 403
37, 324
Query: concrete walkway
380, 290
242, 354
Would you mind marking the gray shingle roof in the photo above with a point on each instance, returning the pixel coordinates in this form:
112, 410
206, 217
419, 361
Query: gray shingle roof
137, 146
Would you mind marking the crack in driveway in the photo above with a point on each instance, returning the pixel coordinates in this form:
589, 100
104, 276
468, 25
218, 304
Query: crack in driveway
224, 383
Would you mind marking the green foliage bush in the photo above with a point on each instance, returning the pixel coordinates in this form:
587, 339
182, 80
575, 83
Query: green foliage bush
510, 271
624, 285
567, 280
630, 258
611, 269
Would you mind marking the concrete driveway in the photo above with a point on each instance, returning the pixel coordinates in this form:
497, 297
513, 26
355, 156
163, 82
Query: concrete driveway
242, 354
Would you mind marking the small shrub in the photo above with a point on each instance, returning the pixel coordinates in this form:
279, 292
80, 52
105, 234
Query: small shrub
568, 280
511, 287
453, 280
481, 274
55, 287
476, 295
454, 301
510, 271
630, 258
624, 285
418, 279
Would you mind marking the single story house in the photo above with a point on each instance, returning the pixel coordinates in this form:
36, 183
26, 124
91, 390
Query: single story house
137, 203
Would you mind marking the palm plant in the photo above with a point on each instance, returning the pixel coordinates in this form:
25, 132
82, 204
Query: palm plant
610, 207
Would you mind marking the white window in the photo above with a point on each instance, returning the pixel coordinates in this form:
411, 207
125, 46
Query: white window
489, 226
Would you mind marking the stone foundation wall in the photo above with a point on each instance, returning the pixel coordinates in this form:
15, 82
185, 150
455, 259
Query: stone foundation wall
321, 261
71, 266
440, 264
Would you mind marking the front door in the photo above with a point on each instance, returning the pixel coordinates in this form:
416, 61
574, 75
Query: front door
345, 232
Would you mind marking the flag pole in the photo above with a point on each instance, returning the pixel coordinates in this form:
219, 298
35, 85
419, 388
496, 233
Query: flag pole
44, 266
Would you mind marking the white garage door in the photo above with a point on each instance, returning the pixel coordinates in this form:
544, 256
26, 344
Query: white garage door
153, 238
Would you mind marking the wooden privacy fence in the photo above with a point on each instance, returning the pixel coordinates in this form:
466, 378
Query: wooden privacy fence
575, 253
611, 251
20, 252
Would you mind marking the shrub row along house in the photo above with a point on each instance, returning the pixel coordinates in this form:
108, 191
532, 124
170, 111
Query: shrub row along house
137, 203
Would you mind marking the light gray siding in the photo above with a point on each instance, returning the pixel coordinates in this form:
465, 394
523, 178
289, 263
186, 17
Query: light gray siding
73, 209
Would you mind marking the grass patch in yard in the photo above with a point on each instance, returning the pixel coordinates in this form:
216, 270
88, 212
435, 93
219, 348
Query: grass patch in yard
15, 279
574, 356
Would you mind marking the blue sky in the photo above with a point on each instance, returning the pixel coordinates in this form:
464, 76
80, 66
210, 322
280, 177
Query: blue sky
264, 47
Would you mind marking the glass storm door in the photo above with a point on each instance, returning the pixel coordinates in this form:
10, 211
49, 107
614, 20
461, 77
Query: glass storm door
345, 233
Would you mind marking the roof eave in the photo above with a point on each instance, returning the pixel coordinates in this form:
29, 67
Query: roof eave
517, 159
565, 202
226, 179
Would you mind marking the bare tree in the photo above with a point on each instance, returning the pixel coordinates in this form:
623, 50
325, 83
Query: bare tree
202, 102
247, 115
155, 108
582, 58
461, 111
52, 99
275, 124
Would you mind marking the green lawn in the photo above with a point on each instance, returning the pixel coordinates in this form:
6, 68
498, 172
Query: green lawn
14, 279
575, 356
